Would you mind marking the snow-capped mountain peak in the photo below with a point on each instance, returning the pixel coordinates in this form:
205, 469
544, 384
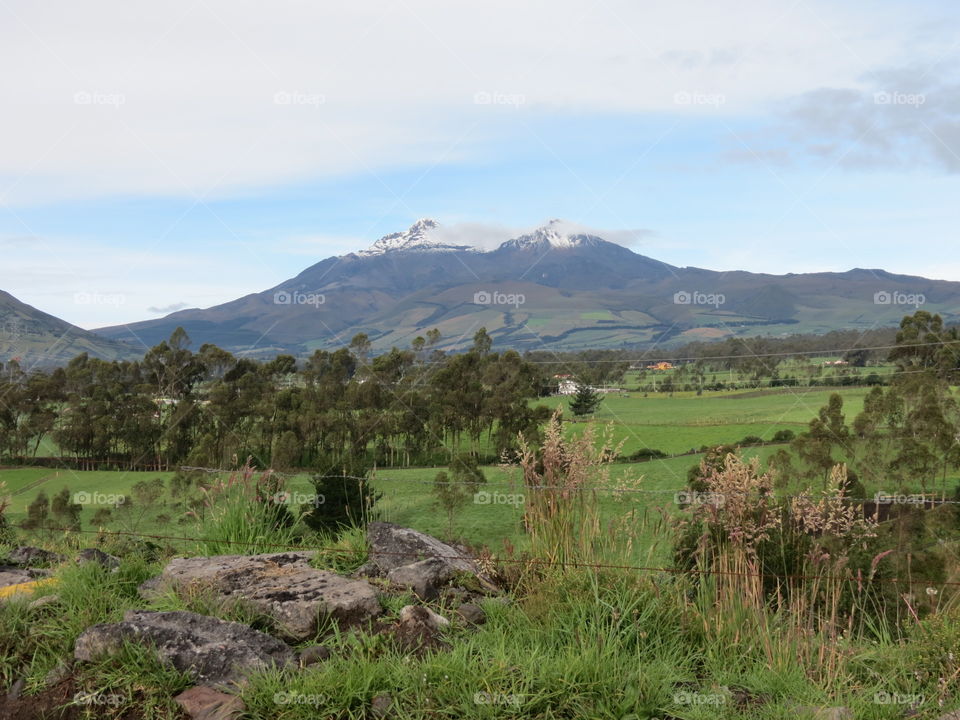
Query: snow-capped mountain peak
421, 236
556, 234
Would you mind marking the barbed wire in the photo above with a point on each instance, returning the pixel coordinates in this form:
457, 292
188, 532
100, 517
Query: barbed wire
915, 498
543, 562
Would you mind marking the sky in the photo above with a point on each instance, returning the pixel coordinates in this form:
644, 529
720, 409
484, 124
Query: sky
157, 156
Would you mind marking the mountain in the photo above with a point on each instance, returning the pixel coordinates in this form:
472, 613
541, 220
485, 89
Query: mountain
555, 288
38, 339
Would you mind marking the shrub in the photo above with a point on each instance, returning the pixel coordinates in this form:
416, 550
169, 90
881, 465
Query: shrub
345, 498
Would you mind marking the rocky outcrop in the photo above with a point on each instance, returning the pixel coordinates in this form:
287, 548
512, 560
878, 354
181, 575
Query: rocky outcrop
417, 560
212, 651
282, 586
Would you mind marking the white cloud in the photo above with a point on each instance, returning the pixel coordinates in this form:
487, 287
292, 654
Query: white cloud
134, 97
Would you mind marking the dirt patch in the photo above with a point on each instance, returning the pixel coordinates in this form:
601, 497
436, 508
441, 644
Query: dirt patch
57, 703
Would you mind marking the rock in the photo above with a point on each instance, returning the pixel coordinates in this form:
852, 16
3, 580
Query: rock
392, 546
424, 615
381, 706
283, 586
955, 715
212, 651
206, 703
472, 614
424, 577
151, 589
419, 630
61, 672
93, 555
14, 576
314, 655
43, 601
14, 692
28, 556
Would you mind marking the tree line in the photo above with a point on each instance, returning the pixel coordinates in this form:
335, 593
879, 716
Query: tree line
211, 408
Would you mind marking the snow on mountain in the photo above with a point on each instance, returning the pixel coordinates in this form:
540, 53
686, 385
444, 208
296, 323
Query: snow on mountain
419, 237
557, 234
426, 235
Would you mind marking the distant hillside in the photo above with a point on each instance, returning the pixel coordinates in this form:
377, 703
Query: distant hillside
551, 289
39, 339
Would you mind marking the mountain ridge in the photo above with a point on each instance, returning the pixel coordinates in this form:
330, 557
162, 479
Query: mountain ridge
555, 287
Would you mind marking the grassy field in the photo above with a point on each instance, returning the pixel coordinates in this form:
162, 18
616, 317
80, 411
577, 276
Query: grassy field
674, 424
684, 421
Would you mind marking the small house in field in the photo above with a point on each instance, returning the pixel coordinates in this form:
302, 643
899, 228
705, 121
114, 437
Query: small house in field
567, 387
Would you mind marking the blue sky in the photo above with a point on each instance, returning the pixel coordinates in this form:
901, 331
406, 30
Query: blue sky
206, 154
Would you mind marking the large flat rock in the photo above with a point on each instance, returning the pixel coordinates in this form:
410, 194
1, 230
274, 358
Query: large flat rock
211, 650
283, 586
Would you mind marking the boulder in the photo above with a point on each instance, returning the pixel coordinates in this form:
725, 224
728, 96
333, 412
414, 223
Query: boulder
99, 557
206, 703
392, 547
282, 586
424, 577
28, 556
212, 651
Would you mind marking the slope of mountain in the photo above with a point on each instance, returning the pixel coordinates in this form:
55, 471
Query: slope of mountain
551, 288
38, 339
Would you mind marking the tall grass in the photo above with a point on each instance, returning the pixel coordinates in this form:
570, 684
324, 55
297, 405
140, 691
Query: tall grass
562, 482
245, 515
